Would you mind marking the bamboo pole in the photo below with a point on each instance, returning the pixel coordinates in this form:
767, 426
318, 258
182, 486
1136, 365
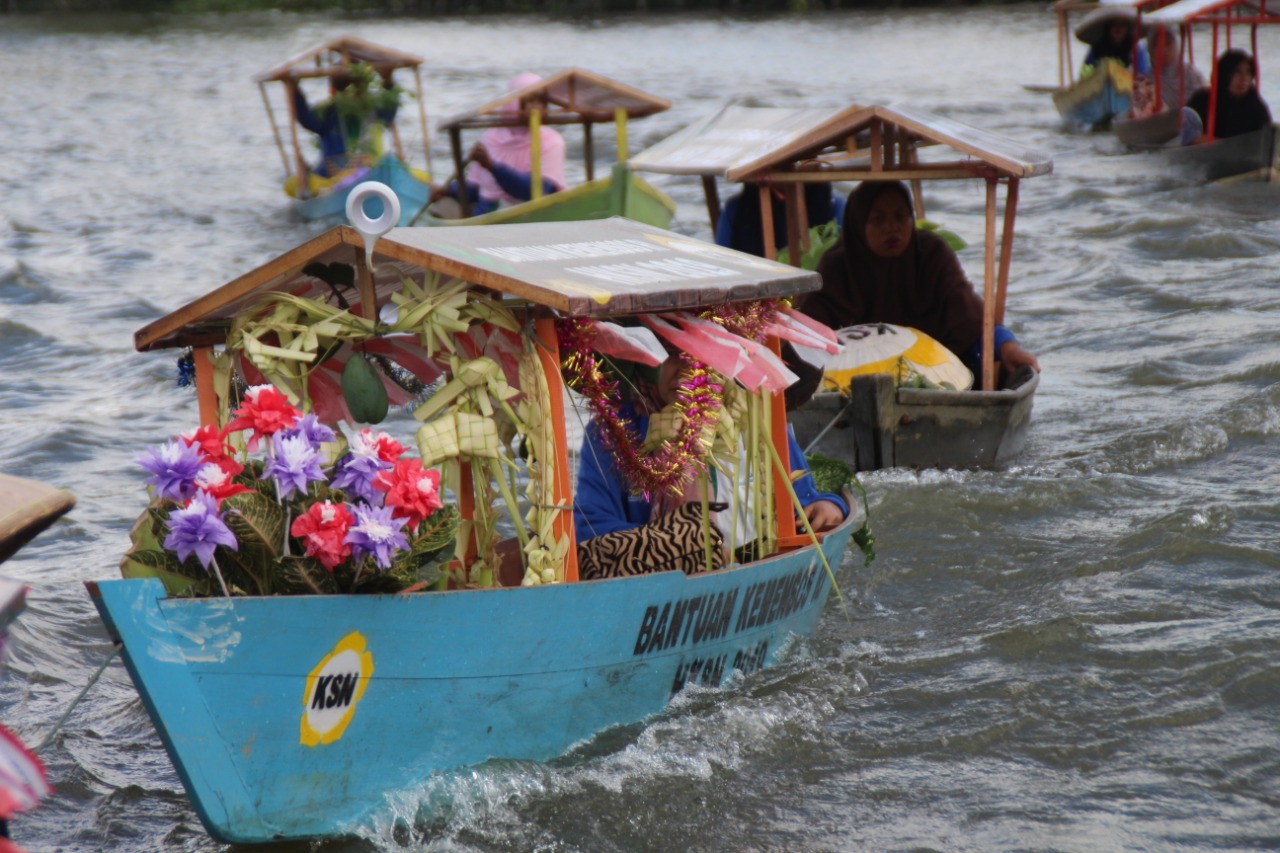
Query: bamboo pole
988, 293
549, 356
712, 193
303, 189
588, 151
275, 130
766, 222
620, 126
422, 121
1006, 248
535, 151
460, 170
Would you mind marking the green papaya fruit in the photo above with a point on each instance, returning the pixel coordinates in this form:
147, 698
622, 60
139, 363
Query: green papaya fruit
362, 389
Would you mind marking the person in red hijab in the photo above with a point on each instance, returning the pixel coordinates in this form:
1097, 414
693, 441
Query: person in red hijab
885, 270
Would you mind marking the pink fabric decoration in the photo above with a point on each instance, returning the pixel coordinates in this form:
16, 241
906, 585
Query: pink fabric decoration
511, 146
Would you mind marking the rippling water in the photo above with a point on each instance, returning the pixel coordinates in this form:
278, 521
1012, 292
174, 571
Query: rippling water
1079, 652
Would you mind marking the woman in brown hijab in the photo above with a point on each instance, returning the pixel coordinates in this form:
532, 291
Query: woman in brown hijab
884, 270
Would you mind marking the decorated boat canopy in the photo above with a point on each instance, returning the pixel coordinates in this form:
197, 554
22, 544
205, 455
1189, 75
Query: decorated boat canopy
883, 143
572, 96
732, 136
335, 56
595, 269
490, 323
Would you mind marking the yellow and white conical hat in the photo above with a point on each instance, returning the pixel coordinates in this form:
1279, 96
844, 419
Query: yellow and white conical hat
905, 353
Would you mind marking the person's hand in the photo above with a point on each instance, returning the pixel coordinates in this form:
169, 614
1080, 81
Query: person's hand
823, 515
1013, 356
479, 154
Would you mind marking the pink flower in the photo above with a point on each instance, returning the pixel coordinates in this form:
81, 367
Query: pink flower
323, 529
266, 410
413, 493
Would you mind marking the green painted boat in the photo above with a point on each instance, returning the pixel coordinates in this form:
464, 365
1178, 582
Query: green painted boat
621, 193
570, 97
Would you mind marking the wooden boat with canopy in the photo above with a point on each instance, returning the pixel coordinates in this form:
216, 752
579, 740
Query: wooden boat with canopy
1249, 156
298, 716
570, 97
874, 421
369, 157
1091, 101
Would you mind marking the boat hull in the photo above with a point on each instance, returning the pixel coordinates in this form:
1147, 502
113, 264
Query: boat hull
1250, 156
621, 193
882, 426
411, 190
1152, 130
1092, 102
294, 717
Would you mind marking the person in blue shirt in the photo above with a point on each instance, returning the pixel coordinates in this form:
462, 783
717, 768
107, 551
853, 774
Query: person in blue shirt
341, 132
612, 518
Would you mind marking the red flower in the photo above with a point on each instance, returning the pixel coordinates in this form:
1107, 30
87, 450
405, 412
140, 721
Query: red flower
216, 478
324, 530
212, 443
413, 494
389, 450
266, 411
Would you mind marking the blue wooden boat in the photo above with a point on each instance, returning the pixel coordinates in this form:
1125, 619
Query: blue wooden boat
294, 717
409, 187
312, 198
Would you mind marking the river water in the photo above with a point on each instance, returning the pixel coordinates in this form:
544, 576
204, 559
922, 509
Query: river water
1079, 652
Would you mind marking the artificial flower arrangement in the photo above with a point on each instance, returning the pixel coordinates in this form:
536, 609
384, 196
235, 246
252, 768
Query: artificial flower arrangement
317, 513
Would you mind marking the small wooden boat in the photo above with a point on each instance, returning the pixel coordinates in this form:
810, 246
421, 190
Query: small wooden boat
1249, 156
322, 198
570, 97
26, 508
294, 717
877, 424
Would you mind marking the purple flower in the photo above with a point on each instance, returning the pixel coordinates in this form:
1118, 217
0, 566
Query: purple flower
315, 432
173, 466
356, 471
376, 532
198, 527
294, 463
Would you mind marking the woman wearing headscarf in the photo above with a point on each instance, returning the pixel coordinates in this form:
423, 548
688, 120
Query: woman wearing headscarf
502, 161
885, 270
1239, 108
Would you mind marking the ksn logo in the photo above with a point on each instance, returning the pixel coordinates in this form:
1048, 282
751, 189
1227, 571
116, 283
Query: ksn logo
334, 689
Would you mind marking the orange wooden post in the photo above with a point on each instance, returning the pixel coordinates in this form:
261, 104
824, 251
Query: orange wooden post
206, 393
784, 508
549, 356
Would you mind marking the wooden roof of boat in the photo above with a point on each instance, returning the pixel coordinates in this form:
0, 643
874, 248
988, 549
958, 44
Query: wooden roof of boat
732, 136
334, 55
839, 149
597, 268
1205, 11
26, 508
572, 96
